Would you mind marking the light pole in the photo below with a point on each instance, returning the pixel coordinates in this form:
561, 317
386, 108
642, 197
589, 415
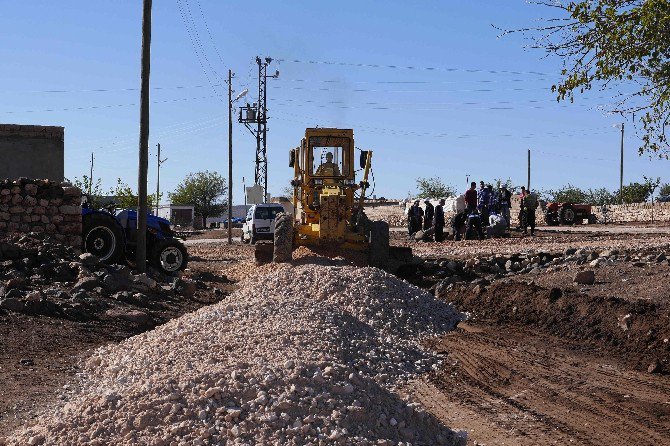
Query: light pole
230, 152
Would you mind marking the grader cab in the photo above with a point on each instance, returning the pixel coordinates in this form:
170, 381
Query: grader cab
328, 201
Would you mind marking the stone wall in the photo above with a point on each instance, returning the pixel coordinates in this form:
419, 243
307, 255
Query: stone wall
638, 212
41, 206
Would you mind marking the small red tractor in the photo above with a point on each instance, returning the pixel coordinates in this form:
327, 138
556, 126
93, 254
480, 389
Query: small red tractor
568, 214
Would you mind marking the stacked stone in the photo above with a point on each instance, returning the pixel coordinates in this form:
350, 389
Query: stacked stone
41, 206
636, 212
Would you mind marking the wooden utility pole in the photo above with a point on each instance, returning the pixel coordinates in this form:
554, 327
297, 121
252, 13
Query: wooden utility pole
159, 162
90, 178
230, 157
528, 183
621, 167
141, 248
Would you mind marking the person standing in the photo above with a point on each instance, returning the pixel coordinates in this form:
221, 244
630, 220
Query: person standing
471, 197
505, 203
483, 203
414, 217
428, 214
529, 205
438, 221
522, 212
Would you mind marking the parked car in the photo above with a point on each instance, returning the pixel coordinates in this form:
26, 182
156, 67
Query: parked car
260, 222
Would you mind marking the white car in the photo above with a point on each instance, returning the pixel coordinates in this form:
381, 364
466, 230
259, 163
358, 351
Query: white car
260, 222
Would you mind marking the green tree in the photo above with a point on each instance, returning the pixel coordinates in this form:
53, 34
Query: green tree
126, 198
567, 194
600, 197
433, 188
620, 45
639, 192
92, 190
665, 189
206, 191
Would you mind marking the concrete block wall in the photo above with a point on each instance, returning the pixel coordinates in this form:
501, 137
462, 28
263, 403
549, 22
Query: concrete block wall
41, 206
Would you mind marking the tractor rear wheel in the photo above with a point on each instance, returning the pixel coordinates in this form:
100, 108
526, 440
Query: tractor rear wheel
378, 256
103, 237
567, 216
283, 238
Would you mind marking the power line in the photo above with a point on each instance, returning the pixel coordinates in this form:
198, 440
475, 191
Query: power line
105, 90
409, 67
195, 49
97, 107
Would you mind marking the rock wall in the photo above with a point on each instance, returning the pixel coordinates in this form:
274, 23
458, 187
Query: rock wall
41, 206
642, 212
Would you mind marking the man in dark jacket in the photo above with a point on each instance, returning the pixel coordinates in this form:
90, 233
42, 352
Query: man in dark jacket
438, 221
414, 216
428, 215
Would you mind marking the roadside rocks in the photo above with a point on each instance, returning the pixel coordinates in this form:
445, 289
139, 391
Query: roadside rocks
40, 276
587, 277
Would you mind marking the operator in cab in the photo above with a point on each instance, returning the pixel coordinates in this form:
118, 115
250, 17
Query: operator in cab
328, 168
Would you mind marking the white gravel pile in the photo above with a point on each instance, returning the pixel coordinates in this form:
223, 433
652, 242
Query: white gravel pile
305, 355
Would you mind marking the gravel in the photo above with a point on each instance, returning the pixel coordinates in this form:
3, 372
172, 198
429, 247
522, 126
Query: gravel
301, 355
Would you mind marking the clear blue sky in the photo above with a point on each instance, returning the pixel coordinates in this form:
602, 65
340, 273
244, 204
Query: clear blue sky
484, 103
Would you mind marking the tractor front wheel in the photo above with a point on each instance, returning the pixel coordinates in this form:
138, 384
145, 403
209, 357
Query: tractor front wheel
283, 238
169, 256
103, 237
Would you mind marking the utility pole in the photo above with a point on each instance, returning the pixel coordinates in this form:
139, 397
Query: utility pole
230, 157
141, 248
528, 183
159, 162
90, 178
258, 114
621, 168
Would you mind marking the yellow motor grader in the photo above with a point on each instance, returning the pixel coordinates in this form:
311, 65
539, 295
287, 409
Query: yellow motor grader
328, 202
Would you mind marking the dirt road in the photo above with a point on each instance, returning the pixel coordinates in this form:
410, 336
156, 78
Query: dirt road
521, 387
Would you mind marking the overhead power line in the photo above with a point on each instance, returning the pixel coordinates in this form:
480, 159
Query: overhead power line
98, 107
410, 67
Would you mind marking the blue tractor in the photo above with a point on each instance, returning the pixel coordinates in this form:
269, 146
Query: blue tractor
113, 239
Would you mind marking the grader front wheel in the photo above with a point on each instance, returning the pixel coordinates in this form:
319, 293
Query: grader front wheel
283, 238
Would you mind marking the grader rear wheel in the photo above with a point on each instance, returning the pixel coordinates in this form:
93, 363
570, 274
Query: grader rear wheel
283, 238
379, 244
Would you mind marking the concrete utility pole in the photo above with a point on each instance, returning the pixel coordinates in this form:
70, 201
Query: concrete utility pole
159, 162
621, 167
230, 157
90, 179
141, 248
528, 183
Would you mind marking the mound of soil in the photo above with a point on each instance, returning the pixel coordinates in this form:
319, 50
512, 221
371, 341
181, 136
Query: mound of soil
638, 331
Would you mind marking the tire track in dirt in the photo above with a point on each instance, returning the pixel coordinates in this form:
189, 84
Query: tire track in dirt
512, 386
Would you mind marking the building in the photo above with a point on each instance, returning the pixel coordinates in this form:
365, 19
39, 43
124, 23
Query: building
32, 151
178, 215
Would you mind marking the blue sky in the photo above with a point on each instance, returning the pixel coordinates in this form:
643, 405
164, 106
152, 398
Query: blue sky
472, 104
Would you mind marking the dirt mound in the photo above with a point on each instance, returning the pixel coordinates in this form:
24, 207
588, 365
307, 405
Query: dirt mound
637, 330
303, 355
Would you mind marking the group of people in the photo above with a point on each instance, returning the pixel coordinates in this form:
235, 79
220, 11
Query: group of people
432, 218
486, 213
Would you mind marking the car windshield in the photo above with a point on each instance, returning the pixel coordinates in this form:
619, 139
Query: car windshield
329, 155
267, 213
